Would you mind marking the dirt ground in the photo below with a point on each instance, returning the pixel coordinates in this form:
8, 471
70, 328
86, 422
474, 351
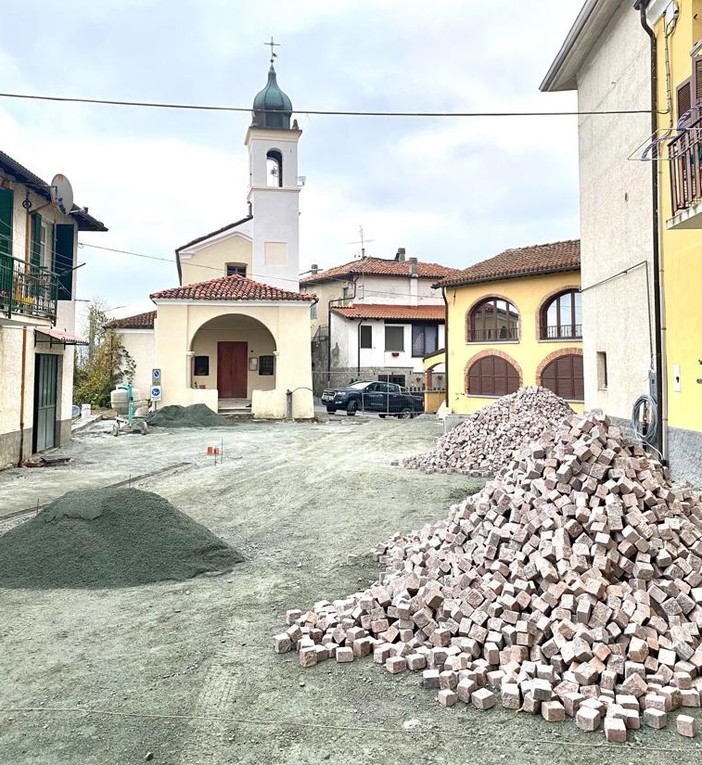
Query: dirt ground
186, 671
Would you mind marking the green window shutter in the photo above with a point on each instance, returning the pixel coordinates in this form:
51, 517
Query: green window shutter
63, 262
6, 204
36, 241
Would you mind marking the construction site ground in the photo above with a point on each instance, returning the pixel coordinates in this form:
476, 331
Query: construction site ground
185, 673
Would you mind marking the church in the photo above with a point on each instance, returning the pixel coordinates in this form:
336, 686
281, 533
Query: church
238, 342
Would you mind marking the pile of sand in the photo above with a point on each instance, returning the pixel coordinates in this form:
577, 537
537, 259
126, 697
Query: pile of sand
110, 538
193, 416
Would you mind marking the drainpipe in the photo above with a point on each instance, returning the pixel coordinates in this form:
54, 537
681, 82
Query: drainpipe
22, 394
446, 345
659, 330
358, 343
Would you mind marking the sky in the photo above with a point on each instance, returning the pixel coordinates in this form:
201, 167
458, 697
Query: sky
451, 190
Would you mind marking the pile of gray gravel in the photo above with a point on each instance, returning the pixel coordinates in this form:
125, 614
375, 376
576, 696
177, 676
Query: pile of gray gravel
488, 439
193, 416
110, 538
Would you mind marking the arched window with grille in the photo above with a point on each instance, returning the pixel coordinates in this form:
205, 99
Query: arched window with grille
562, 318
493, 320
564, 376
491, 376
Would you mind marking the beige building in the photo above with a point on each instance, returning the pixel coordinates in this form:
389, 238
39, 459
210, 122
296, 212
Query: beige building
39, 228
606, 59
238, 339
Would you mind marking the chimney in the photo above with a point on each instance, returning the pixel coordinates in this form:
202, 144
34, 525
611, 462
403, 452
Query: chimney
400, 257
413, 268
314, 268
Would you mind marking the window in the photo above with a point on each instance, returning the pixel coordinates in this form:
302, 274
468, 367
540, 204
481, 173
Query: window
274, 168
564, 376
236, 269
313, 311
394, 338
561, 318
425, 339
201, 366
397, 379
492, 376
493, 320
366, 336
346, 295
266, 365
6, 206
601, 370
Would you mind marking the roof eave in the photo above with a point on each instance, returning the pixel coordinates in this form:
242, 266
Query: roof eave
507, 277
586, 30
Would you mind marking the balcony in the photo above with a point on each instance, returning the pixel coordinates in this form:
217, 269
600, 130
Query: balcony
26, 292
686, 176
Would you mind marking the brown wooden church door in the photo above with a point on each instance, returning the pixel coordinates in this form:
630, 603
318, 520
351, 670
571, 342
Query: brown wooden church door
232, 369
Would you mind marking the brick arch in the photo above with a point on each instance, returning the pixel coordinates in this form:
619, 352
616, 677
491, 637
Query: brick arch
552, 357
547, 299
485, 354
477, 302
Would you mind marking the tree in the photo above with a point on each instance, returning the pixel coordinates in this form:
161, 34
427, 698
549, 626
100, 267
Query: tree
103, 363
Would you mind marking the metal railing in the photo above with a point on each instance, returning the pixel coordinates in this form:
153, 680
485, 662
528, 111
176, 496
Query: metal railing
685, 165
563, 332
492, 334
26, 290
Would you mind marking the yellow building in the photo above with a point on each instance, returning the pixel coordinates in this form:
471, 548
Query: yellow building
514, 320
678, 84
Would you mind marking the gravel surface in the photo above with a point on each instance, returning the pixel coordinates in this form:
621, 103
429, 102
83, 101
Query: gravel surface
185, 670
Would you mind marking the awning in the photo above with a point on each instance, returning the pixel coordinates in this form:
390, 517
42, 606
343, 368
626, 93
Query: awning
54, 336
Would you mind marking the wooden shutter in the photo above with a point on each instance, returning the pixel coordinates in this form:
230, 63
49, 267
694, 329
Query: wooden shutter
7, 197
63, 262
36, 241
697, 81
564, 376
492, 376
684, 97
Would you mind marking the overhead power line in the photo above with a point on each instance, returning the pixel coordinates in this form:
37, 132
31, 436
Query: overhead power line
323, 112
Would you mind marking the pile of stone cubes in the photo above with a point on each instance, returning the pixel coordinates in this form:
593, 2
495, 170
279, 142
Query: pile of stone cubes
570, 586
488, 439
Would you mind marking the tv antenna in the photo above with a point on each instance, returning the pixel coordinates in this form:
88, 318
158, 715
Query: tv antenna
62, 193
363, 241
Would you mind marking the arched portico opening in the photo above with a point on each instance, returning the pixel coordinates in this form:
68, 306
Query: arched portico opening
234, 354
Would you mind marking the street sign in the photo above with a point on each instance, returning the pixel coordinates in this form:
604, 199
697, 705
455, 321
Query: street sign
155, 376
155, 392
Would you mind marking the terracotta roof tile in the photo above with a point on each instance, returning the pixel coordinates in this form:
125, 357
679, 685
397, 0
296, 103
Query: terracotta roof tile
520, 261
138, 321
229, 288
379, 267
397, 312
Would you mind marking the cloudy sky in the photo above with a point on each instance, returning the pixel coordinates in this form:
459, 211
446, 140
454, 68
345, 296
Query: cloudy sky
449, 190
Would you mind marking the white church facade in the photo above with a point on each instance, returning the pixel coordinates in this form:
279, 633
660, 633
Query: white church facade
240, 340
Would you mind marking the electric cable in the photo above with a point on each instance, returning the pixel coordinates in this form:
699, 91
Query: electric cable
644, 419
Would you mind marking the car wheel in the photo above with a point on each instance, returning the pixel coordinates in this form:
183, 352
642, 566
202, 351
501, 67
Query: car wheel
382, 416
330, 410
352, 408
404, 413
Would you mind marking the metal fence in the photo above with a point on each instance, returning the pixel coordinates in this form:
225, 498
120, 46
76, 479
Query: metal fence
26, 290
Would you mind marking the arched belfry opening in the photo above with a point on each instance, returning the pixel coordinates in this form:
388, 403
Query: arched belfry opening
274, 168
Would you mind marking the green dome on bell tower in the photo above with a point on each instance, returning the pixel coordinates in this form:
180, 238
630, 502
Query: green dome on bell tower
272, 108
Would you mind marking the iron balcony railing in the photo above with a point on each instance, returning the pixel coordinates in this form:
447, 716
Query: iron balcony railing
685, 165
26, 290
485, 334
564, 332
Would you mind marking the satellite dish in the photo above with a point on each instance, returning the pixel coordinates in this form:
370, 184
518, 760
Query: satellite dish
62, 193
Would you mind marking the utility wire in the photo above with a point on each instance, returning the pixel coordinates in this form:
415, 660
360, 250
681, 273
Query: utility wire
324, 112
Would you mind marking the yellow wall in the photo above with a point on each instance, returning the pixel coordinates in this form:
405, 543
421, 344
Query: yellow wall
182, 329
210, 262
681, 250
527, 295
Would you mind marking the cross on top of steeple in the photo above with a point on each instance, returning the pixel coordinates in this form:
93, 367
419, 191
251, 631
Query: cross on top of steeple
273, 45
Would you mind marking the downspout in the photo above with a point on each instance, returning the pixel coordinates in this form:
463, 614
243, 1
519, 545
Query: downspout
446, 345
358, 343
23, 368
659, 330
